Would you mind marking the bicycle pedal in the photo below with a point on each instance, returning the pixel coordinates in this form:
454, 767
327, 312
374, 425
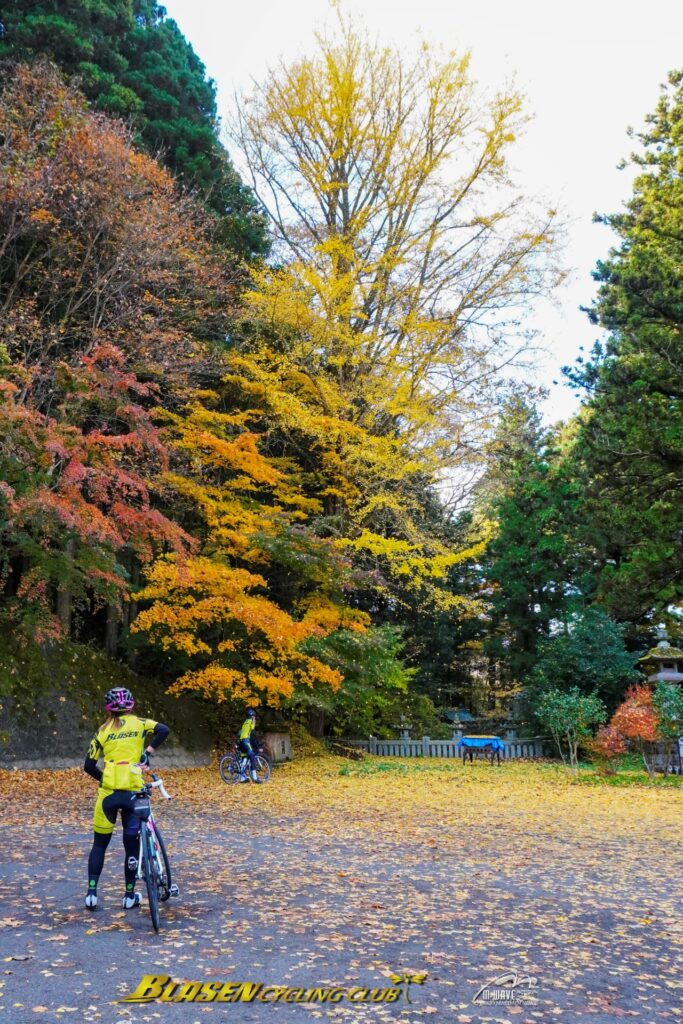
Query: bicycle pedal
173, 891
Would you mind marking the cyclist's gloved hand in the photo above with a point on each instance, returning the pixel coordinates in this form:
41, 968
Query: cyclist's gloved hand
144, 760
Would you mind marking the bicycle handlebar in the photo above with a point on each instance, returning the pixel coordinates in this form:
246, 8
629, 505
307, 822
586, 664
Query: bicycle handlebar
159, 784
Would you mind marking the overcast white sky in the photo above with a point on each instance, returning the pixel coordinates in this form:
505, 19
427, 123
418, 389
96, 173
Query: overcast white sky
589, 69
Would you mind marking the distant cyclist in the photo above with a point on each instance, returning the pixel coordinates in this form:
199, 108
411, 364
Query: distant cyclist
123, 741
245, 745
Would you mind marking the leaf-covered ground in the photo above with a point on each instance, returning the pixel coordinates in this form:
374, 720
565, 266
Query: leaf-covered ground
340, 873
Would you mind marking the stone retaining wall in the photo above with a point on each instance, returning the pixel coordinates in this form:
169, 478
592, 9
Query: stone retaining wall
58, 736
171, 758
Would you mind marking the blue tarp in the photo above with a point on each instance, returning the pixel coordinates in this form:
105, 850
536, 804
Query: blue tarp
492, 742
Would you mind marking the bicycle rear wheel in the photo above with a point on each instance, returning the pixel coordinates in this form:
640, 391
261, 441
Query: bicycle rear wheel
229, 768
150, 872
262, 768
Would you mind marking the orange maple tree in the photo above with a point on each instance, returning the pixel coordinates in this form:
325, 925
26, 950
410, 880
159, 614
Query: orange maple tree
240, 635
111, 291
73, 496
636, 719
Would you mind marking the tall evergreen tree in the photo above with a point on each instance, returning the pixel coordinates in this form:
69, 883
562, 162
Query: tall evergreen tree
133, 61
629, 450
528, 562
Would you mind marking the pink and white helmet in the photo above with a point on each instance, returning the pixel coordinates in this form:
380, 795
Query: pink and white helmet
119, 699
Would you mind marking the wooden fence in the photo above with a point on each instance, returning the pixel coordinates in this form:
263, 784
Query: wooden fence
535, 746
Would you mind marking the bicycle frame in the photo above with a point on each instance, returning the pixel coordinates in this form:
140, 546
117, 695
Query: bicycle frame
242, 759
235, 765
148, 823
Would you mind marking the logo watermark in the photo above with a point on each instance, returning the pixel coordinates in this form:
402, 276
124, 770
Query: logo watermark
164, 989
407, 980
509, 987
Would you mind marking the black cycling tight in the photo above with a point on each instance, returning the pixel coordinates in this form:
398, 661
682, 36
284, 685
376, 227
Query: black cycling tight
131, 845
245, 747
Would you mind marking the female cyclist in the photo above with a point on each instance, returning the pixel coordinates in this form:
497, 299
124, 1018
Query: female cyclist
122, 741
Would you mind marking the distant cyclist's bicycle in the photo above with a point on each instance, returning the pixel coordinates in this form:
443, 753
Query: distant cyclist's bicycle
234, 767
153, 864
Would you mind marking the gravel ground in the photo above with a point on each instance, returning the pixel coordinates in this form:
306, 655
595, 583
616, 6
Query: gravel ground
270, 898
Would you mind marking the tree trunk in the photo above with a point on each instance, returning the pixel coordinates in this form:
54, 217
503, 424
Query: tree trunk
130, 608
558, 742
64, 594
18, 566
648, 760
573, 754
316, 721
111, 636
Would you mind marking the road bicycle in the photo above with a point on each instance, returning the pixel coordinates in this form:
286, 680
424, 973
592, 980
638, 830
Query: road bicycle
153, 864
234, 766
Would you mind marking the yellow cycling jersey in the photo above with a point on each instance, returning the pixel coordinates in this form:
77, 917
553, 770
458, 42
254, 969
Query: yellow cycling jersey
122, 749
247, 729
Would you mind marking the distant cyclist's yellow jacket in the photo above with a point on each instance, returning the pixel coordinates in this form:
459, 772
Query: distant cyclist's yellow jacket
122, 749
247, 729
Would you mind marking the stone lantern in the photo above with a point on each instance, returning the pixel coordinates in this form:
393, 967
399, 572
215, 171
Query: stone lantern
404, 728
664, 662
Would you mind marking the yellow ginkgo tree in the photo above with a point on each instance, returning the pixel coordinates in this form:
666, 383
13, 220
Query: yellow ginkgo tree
405, 261
364, 371
406, 256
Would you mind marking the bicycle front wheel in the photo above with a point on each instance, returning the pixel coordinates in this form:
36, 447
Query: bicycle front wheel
165, 880
229, 768
150, 872
262, 768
